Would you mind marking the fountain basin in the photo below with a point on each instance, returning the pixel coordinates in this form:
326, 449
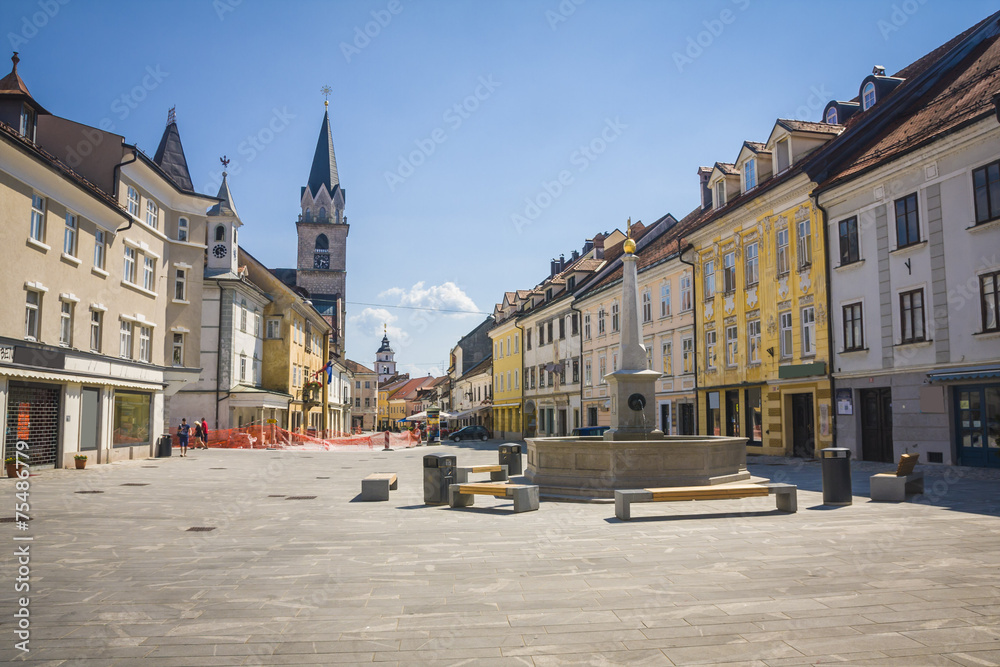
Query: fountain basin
591, 467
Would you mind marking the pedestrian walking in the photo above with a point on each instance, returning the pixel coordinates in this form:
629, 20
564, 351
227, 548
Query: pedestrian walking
204, 431
197, 435
183, 431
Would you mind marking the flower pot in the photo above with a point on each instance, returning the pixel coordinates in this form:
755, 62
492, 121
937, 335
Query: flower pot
80, 463
11, 470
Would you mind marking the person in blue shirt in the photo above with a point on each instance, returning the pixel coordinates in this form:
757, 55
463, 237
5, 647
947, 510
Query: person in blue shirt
182, 434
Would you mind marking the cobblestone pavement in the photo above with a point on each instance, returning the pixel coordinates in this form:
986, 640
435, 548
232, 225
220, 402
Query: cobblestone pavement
296, 571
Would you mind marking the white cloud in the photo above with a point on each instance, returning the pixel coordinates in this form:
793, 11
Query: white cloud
370, 322
446, 296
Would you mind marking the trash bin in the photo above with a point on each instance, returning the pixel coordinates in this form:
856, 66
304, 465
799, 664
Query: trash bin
836, 475
164, 446
439, 474
510, 455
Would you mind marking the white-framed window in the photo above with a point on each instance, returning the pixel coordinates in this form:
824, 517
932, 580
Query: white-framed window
868, 96
615, 320
133, 201
687, 354
720, 193
152, 214
28, 121
256, 325
781, 244
729, 271
177, 350
517, 381
149, 273
666, 357
753, 341
145, 344
515, 343
782, 154
508, 385
665, 307
750, 263
128, 270
750, 175
708, 275
99, 248
37, 218
805, 243
687, 302
96, 322
831, 115
180, 284
586, 326
710, 349
507, 353
602, 369
243, 315
647, 306
274, 327
911, 312
32, 314
69, 235
66, 323
649, 357
785, 333
808, 331
600, 321
125, 340
182, 229
587, 374
732, 345
243, 368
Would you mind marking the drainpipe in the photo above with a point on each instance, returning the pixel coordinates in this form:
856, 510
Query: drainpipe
829, 319
218, 359
694, 307
117, 178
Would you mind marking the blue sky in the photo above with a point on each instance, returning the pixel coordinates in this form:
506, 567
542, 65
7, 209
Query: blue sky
454, 121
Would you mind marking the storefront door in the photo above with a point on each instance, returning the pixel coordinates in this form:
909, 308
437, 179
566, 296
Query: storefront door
876, 424
977, 423
33, 416
803, 433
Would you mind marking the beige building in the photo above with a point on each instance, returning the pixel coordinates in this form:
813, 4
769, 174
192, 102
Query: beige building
365, 396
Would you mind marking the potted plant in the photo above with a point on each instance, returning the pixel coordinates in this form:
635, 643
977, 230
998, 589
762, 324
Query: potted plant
12, 465
81, 461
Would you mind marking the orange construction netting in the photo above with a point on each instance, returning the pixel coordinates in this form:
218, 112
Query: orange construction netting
269, 436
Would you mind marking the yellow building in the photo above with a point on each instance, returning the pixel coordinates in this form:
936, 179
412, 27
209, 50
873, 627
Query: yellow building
507, 368
761, 322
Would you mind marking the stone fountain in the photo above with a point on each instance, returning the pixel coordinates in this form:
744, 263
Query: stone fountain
632, 453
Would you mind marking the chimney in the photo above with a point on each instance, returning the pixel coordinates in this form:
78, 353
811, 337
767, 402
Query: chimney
706, 192
562, 262
588, 246
552, 267
574, 256
599, 246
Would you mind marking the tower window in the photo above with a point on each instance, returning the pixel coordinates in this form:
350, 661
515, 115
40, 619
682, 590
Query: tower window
220, 233
321, 256
322, 213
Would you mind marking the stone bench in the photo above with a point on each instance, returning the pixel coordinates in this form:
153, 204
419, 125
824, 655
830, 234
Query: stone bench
525, 496
893, 487
498, 473
785, 495
376, 486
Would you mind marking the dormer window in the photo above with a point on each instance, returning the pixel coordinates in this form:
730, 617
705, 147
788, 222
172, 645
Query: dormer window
831, 115
868, 96
783, 157
749, 175
720, 193
27, 122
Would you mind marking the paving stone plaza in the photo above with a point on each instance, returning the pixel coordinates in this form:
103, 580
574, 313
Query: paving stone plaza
297, 571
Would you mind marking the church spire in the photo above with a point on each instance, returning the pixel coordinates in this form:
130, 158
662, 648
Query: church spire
226, 207
170, 155
324, 164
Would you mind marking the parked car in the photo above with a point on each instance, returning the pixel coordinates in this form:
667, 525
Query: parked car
590, 430
471, 433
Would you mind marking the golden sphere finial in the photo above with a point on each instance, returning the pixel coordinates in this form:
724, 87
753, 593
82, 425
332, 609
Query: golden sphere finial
629, 246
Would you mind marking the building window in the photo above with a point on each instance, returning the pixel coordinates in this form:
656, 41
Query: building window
708, 271
182, 229
989, 285
152, 214
753, 341
321, 253
32, 314
527, 339
666, 358
602, 369
548, 333
516, 338
907, 223
732, 345
782, 155
647, 306
99, 244
720, 193
831, 115
562, 332
28, 120
750, 264
220, 233
273, 327
587, 375
180, 285
808, 331
177, 353
665, 299
911, 311
368, 402
729, 271
256, 325
615, 320
804, 250
243, 368
129, 267
687, 301
849, 249
37, 218
132, 419
133, 201
600, 321
854, 337
145, 344
243, 315
781, 242
986, 185
713, 417
517, 378
65, 323
149, 273
750, 175
125, 340
867, 96
96, 318
687, 354
785, 333
755, 425
69, 235
710, 349
574, 328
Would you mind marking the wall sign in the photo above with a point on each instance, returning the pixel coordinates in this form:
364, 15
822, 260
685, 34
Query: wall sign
845, 402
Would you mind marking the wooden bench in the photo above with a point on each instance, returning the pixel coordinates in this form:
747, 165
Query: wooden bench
893, 487
785, 495
376, 485
525, 496
498, 473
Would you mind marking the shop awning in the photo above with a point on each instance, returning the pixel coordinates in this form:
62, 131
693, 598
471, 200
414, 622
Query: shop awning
104, 381
466, 413
975, 373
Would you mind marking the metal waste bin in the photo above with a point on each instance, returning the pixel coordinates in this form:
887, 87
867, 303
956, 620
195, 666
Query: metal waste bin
836, 475
439, 474
510, 455
164, 446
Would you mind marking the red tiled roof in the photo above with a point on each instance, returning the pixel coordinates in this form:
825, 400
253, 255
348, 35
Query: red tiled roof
355, 367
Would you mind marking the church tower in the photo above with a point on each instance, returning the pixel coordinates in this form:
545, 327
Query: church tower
321, 268
385, 361
223, 223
